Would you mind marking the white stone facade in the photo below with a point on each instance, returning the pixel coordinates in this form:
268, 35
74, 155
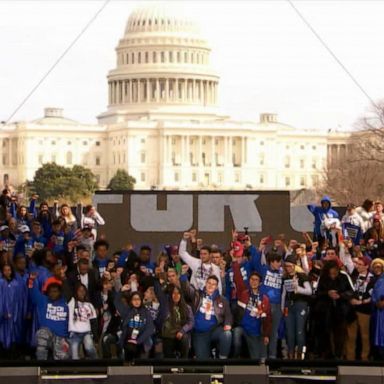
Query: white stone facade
163, 124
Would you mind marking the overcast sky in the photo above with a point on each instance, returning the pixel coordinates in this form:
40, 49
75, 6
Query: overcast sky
266, 56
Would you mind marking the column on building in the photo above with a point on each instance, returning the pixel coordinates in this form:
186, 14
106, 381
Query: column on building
157, 90
130, 91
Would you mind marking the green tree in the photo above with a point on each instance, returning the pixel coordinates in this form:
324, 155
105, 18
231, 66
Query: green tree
54, 181
121, 181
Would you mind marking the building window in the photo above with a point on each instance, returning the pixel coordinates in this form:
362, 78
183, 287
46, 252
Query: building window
204, 141
302, 181
171, 57
176, 176
185, 57
154, 57
127, 59
216, 141
97, 160
142, 177
287, 162
237, 177
178, 57
40, 159
97, 143
69, 142
313, 164
142, 157
69, 158
162, 55
261, 179
194, 177
220, 178
302, 146
314, 147
261, 142
133, 58
139, 58
262, 160
146, 57
85, 142
301, 163
203, 158
287, 181
173, 141
142, 141
53, 142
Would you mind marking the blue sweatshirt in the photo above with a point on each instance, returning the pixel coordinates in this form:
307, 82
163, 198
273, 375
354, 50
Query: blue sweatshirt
205, 318
230, 286
252, 324
320, 214
272, 279
51, 314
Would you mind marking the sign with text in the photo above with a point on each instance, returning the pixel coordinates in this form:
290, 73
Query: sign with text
158, 218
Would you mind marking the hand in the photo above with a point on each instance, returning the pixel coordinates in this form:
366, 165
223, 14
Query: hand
125, 288
179, 335
333, 294
184, 269
35, 197
227, 328
129, 247
266, 340
356, 302
107, 275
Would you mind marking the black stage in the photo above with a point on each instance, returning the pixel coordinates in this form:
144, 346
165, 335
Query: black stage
190, 372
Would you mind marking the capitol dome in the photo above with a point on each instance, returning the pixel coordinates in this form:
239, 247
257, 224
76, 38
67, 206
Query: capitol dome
160, 18
163, 66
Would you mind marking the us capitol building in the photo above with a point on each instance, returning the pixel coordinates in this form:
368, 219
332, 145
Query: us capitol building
163, 125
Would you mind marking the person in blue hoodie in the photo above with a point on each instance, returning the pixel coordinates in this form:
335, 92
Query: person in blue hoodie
52, 311
272, 275
322, 212
213, 317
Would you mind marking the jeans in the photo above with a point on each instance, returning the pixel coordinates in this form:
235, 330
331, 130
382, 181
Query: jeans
276, 317
296, 325
202, 342
48, 341
255, 344
75, 339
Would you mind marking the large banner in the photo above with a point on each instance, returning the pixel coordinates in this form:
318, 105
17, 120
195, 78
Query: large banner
159, 218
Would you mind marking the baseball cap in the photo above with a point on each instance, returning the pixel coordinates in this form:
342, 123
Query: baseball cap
238, 248
24, 229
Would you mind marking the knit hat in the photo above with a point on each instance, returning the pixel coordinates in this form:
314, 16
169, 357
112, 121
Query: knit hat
291, 259
377, 261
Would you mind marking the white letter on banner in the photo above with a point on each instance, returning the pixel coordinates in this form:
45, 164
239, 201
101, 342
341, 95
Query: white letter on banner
242, 207
145, 217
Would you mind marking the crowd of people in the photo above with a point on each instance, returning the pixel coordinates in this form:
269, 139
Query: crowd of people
65, 295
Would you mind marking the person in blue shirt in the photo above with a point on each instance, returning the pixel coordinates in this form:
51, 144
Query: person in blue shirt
322, 212
272, 275
145, 264
101, 259
52, 311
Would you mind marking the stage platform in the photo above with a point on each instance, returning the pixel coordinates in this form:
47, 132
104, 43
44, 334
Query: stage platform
190, 372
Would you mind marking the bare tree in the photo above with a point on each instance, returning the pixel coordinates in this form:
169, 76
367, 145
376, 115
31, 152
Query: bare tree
359, 174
